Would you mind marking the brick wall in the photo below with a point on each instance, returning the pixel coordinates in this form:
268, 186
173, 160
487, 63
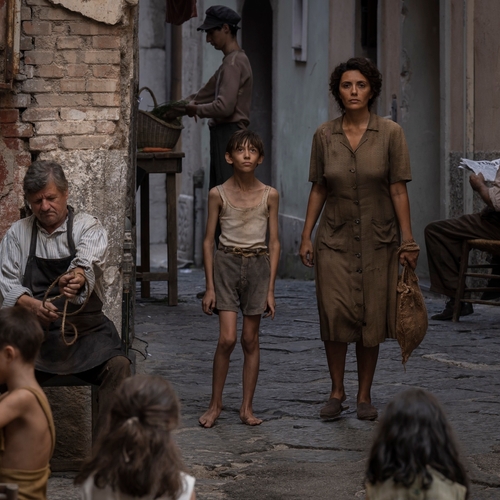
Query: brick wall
67, 97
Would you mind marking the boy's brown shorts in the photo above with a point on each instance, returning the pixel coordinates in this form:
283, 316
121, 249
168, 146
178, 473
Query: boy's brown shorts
241, 282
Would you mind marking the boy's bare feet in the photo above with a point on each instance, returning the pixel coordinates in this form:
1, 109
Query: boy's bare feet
248, 418
208, 419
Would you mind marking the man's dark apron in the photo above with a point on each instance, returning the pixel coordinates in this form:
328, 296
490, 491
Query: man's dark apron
98, 341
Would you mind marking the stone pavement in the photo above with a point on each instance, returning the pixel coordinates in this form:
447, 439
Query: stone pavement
293, 454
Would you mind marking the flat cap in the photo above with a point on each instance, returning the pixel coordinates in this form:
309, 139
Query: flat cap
217, 15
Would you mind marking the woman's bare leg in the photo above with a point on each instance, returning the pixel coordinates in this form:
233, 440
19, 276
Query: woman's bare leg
335, 355
366, 358
225, 346
251, 352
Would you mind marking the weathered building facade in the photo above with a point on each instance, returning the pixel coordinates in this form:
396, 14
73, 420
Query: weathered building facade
68, 92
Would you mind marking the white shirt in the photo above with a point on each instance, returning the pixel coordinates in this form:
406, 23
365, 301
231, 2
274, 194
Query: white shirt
91, 492
90, 240
494, 192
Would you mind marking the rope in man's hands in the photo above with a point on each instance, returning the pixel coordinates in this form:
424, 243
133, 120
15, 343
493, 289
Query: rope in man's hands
64, 314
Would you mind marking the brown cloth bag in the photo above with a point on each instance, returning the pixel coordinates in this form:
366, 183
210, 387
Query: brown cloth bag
411, 313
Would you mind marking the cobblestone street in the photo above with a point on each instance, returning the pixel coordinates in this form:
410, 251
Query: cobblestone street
293, 454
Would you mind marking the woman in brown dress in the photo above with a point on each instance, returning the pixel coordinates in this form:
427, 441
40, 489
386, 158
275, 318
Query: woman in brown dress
359, 170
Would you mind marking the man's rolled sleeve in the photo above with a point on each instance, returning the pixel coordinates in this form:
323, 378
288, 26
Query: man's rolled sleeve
11, 274
494, 192
90, 255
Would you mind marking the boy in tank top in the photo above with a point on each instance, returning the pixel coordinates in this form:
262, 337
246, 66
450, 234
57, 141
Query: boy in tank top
242, 273
27, 435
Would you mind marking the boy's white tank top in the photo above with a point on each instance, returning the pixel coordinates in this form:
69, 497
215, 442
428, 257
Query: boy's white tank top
243, 227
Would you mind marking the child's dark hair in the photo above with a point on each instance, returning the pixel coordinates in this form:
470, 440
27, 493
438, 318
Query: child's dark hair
414, 433
242, 137
135, 452
366, 68
21, 329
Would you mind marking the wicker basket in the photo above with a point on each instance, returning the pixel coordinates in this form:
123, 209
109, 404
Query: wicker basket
153, 132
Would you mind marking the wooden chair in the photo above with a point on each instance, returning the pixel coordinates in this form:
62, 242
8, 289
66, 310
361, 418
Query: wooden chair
490, 246
8, 491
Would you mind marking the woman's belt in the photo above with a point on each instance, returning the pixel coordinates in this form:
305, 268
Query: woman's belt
244, 252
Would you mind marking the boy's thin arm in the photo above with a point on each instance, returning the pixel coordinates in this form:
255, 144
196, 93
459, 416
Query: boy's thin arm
14, 405
274, 245
214, 206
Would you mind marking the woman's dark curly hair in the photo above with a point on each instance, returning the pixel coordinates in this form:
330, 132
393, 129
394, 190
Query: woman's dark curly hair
366, 68
135, 453
413, 434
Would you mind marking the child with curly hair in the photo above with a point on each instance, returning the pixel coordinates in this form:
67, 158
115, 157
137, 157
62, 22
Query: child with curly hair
415, 455
135, 457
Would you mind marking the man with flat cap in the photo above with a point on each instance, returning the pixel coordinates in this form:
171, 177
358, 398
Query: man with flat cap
227, 96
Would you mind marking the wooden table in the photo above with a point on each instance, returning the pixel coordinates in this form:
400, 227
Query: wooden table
159, 163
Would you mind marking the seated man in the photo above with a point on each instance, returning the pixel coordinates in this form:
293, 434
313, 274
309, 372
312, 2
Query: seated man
444, 240
57, 244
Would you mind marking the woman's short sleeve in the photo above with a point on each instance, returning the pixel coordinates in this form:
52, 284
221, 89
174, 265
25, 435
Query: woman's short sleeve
399, 157
317, 163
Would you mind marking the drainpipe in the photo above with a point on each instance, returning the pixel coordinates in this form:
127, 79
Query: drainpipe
128, 285
469, 99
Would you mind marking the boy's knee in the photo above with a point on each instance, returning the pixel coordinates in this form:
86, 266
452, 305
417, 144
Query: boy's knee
250, 342
227, 344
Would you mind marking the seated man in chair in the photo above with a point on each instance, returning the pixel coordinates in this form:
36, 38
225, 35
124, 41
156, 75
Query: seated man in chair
57, 245
444, 240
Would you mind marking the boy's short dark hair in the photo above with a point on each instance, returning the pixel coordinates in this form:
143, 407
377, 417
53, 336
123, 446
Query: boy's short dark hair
241, 137
20, 328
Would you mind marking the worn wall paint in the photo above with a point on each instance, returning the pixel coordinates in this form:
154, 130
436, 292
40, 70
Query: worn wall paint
104, 11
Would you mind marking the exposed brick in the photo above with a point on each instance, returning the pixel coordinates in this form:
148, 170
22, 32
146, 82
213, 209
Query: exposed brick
73, 114
95, 114
64, 128
15, 144
37, 27
45, 143
101, 85
64, 100
29, 71
15, 100
106, 42
39, 114
108, 100
57, 14
69, 42
23, 159
16, 130
49, 71
38, 57
84, 141
26, 43
103, 114
91, 28
105, 127
77, 70
60, 28
37, 85
38, 2
72, 85
106, 70
9, 115
101, 57
25, 13
71, 56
